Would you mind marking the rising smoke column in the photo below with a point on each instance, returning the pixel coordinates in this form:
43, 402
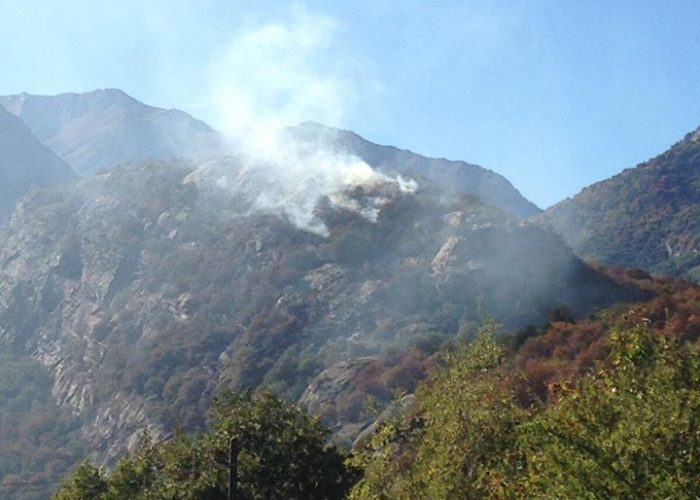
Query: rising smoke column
276, 75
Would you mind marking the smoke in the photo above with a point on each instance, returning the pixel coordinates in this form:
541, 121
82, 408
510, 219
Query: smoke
277, 75
289, 176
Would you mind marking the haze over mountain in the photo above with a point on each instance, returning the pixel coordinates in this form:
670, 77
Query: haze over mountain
146, 290
646, 217
25, 163
100, 129
221, 257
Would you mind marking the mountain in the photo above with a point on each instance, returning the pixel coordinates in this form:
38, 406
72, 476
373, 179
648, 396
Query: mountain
100, 129
24, 163
103, 128
646, 217
146, 290
457, 176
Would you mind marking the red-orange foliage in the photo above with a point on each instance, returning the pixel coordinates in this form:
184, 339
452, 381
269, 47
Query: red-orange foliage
566, 351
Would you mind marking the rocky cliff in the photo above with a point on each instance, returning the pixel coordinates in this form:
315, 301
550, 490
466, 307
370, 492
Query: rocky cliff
148, 289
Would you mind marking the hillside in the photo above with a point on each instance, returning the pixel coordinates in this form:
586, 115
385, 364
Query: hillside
24, 163
103, 128
617, 394
454, 176
646, 217
146, 290
607, 407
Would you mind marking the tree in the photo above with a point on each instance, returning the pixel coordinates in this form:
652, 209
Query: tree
461, 443
85, 483
629, 431
283, 450
283, 455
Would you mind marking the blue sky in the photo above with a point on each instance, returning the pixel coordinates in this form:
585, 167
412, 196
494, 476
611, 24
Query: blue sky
554, 95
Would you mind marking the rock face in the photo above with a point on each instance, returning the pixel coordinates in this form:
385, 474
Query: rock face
454, 176
24, 163
98, 130
146, 293
325, 392
646, 217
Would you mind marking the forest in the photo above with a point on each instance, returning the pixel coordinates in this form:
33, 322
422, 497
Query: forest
605, 407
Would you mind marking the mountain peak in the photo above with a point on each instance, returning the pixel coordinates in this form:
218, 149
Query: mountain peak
105, 127
112, 93
455, 176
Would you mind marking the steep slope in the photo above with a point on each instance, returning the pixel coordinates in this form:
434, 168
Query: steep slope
647, 217
100, 129
148, 289
457, 176
24, 163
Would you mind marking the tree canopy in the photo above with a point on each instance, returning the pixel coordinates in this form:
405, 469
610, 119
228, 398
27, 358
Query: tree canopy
283, 455
628, 429
627, 426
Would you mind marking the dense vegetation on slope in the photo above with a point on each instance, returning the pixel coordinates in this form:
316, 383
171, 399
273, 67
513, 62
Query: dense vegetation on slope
283, 455
146, 292
626, 428
132, 298
38, 440
646, 217
607, 407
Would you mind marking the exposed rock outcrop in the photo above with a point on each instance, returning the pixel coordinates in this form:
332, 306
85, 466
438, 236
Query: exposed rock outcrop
146, 294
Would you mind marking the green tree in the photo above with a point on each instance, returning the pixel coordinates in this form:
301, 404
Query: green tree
283, 455
629, 431
283, 450
85, 483
461, 444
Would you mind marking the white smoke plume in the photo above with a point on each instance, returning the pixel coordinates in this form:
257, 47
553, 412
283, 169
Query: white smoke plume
276, 75
279, 74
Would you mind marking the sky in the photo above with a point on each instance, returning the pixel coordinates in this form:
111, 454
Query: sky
552, 94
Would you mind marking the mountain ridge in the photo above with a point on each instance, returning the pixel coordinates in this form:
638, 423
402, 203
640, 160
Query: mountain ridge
646, 216
492, 187
98, 130
102, 128
144, 293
